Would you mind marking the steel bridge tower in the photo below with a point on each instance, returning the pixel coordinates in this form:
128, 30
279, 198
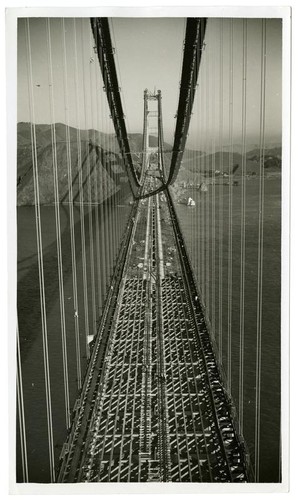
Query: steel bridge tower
152, 133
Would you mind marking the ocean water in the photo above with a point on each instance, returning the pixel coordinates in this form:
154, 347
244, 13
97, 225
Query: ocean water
105, 245
212, 276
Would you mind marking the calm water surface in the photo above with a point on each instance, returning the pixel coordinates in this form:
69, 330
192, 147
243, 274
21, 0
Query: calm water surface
105, 243
200, 251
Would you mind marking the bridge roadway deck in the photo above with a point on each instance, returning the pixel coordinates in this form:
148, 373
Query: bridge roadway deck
158, 410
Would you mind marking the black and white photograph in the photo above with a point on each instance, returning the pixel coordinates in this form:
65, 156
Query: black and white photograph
150, 180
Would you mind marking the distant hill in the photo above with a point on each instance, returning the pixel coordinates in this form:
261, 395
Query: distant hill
221, 161
99, 148
237, 147
192, 159
93, 147
190, 155
136, 142
198, 165
272, 158
44, 135
205, 165
276, 151
100, 153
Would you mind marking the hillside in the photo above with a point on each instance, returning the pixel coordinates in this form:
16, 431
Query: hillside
272, 151
98, 151
94, 149
99, 155
136, 142
197, 165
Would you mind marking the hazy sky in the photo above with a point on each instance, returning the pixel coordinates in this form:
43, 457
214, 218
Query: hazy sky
67, 84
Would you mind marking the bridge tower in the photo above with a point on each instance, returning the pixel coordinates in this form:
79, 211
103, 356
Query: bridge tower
152, 131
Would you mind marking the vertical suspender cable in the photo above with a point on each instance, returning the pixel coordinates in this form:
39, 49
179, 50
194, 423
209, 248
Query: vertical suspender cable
243, 215
118, 202
197, 163
116, 210
195, 235
198, 209
96, 179
260, 256
201, 219
109, 191
213, 197
118, 194
114, 232
193, 211
197, 203
207, 169
81, 194
109, 201
99, 219
58, 229
101, 183
280, 458
220, 205
40, 261
93, 188
195, 183
71, 215
200, 121
202, 197
105, 194
111, 198
102, 179
230, 236
89, 190
199, 226
106, 184
93, 156
21, 413
115, 198
204, 178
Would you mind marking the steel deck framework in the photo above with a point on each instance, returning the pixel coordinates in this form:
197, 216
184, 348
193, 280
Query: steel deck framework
158, 410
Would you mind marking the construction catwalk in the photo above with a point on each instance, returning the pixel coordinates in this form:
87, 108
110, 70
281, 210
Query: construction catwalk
153, 407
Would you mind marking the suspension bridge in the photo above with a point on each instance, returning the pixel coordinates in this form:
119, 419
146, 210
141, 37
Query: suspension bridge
143, 360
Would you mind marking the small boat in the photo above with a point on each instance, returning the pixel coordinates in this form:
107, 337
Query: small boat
191, 202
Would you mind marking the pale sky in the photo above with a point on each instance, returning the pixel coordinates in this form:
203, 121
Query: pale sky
148, 54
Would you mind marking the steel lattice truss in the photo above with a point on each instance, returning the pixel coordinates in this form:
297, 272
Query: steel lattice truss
159, 411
